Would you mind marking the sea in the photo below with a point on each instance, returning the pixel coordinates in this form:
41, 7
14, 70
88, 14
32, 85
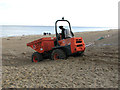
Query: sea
18, 30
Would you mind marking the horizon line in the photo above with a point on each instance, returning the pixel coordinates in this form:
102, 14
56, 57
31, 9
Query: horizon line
53, 26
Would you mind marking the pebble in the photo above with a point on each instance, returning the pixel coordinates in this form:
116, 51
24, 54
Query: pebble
8, 39
24, 53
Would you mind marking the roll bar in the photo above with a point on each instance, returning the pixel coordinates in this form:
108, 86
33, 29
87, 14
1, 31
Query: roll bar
56, 28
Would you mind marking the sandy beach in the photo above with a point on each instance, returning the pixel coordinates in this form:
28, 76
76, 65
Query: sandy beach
98, 68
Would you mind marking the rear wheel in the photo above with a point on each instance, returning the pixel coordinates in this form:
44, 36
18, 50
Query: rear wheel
37, 57
78, 54
58, 54
82, 53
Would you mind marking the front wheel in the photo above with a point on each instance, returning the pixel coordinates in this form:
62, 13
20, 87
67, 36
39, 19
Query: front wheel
37, 57
58, 54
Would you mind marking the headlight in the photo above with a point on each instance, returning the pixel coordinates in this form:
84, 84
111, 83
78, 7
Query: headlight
41, 49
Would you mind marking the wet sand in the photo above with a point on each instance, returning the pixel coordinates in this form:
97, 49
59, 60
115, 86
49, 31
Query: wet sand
98, 68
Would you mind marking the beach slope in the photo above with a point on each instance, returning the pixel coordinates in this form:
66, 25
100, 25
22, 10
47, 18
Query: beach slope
98, 68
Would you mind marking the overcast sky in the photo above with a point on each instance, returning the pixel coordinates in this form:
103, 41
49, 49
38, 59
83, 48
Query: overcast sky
102, 13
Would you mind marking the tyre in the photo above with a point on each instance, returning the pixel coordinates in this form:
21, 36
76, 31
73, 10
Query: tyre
37, 57
82, 53
58, 54
78, 54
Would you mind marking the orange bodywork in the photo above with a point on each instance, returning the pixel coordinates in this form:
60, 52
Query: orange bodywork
77, 44
43, 44
46, 44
